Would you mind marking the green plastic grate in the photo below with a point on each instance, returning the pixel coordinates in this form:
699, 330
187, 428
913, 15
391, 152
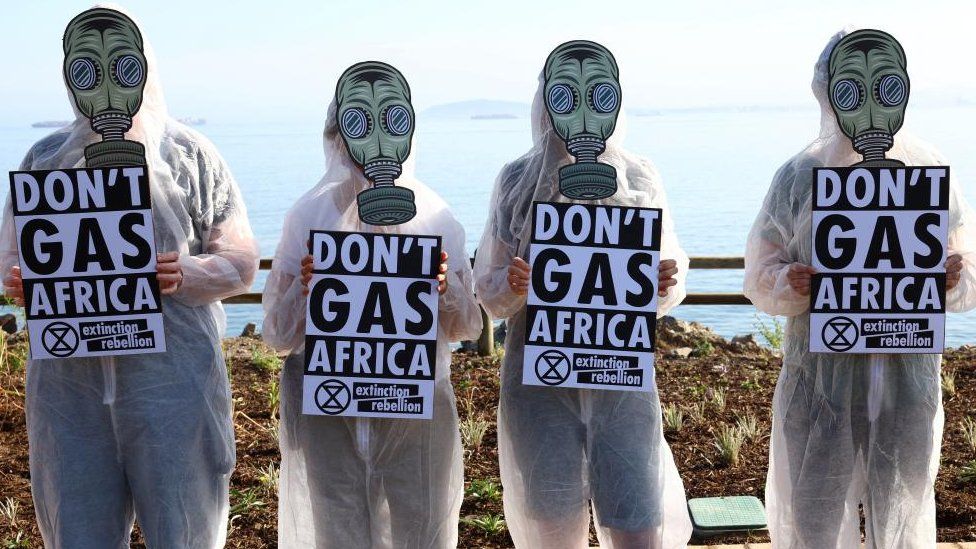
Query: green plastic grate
723, 515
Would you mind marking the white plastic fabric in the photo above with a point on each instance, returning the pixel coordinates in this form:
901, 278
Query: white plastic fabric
366, 482
147, 436
561, 449
847, 429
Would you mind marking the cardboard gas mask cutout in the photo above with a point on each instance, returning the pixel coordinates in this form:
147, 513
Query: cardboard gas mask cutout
105, 68
583, 99
868, 91
376, 121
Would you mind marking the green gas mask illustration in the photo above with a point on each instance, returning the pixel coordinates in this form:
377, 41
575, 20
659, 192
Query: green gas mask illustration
582, 96
376, 121
868, 90
105, 68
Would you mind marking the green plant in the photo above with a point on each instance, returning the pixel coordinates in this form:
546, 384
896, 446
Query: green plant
12, 360
704, 347
487, 489
697, 412
264, 358
728, 441
716, 397
968, 473
244, 501
748, 425
949, 383
18, 542
473, 431
674, 418
772, 333
268, 477
968, 426
490, 524
9, 508
274, 398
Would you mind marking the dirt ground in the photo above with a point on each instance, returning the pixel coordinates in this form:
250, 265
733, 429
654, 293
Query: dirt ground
718, 385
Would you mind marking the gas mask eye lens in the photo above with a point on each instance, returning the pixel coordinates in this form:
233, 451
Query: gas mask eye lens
847, 95
604, 98
128, 71
561, 99
83, 73
890, 90
354, 123
396, 120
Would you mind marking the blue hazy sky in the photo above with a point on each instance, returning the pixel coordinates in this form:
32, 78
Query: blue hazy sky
244, 60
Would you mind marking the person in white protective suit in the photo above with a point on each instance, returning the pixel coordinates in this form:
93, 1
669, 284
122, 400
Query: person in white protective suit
358, 483
849, 430
112, 439
561, 449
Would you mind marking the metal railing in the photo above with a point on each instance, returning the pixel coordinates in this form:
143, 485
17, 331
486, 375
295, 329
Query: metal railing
487, 340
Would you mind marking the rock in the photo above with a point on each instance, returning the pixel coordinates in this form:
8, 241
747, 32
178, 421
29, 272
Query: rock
500, 332
674, 325
250, 330
18, 337
8, 323
745, 340
680, 352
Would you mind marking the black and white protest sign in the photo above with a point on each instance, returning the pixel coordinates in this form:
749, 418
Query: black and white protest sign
592, 303
371, 325
879, 248
88, 260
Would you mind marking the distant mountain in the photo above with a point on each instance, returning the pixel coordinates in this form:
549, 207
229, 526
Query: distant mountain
479, 109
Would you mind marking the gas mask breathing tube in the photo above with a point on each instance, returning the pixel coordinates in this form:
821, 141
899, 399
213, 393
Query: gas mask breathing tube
376, 121
582, 96
868, 90
105, 68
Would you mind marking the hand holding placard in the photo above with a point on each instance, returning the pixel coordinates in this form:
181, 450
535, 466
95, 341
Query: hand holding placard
666, 270
518, 276
13, 286
953, 267
799, 276
168, 272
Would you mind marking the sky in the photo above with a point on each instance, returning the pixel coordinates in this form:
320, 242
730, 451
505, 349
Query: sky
258, 61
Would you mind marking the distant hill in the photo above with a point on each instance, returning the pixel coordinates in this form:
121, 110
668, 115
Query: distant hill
478, 109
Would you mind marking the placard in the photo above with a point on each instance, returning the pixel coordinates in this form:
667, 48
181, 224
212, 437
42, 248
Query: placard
371, 325
88, 261
879, 248
592, 302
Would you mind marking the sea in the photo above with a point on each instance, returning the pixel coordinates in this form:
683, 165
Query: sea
716, 166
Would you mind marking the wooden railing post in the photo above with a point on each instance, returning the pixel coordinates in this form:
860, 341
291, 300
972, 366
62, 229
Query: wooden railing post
486, 342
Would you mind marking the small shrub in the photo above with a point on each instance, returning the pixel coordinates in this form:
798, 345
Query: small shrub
490, 524
9, 509
748, 425
18, 542
949, 383
274, 398
473, 431
674, 418
968, 473
487, 489
265, 359
703, 348
968, 426
268, 477
728, 441
772, 333
244, 501
697, 412
716, 397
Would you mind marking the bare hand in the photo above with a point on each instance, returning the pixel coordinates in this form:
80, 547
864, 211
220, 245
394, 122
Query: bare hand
953, 267
306, 273
665, 276
168, 272
518, 276
442, 274
799, 277
13, 286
